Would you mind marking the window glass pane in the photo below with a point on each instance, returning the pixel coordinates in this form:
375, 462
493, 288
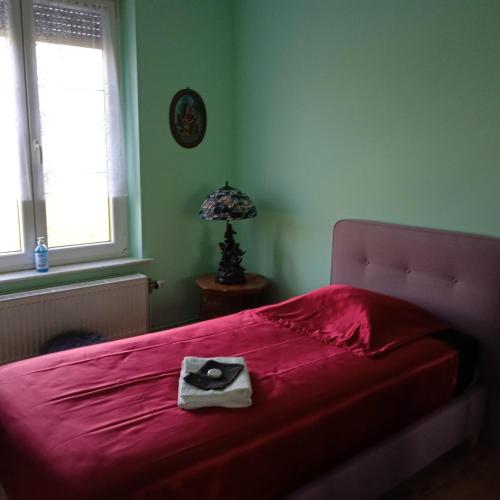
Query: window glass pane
71, 86
10, 222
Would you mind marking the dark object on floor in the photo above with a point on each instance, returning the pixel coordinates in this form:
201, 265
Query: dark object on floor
70, 340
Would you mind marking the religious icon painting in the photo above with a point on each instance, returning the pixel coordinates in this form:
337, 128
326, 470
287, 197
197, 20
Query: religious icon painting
188, 118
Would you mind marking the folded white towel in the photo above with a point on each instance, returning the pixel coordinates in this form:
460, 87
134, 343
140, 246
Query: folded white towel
236, 395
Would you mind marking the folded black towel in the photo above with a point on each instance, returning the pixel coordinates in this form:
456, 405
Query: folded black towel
200, 379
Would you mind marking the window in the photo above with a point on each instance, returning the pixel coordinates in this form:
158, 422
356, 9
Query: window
61, 168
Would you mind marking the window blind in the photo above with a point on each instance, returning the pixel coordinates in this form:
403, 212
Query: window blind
79, 25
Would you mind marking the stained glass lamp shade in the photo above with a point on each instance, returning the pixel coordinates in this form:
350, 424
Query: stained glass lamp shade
229, 203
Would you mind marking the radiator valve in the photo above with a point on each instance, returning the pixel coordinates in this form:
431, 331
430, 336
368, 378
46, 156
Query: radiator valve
155, 285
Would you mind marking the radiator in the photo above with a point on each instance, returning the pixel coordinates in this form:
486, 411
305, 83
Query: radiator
115, 307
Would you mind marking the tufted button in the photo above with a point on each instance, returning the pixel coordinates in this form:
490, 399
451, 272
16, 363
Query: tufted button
455, 281
408, 270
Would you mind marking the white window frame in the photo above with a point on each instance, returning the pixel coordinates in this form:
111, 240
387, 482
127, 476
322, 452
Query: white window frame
32, 211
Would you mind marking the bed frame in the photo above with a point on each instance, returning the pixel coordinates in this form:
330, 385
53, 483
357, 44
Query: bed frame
454, 275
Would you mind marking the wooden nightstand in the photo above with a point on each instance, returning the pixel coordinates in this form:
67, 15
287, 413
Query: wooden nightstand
218, 300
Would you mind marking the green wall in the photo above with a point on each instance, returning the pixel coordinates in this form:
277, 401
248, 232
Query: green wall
182, 44
386, 110
168, 45
319, 110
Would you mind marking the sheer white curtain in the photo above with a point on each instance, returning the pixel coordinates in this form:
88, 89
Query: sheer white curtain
114, 129
14, 184
80, 118
87, 25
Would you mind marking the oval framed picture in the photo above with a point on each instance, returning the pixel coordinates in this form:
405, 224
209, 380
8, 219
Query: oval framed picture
188, 118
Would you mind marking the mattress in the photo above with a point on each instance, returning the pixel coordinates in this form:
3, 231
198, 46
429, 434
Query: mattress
103, 422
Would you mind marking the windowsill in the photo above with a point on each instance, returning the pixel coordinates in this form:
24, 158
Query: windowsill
18, 276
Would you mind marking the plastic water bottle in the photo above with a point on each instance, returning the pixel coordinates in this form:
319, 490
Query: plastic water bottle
41, 255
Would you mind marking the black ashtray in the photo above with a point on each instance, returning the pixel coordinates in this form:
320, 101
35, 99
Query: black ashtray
201, 379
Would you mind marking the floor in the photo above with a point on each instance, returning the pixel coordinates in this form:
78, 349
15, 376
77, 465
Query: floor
465, 473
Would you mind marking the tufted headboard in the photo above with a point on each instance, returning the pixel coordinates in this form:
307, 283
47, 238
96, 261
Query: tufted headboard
454, 275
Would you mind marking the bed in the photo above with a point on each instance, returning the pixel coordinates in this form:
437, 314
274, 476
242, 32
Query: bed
456, 276
102, 422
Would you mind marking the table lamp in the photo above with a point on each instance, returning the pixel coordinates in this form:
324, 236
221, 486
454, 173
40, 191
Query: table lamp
229, 203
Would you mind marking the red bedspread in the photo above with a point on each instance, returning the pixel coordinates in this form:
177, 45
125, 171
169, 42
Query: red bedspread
103, 421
